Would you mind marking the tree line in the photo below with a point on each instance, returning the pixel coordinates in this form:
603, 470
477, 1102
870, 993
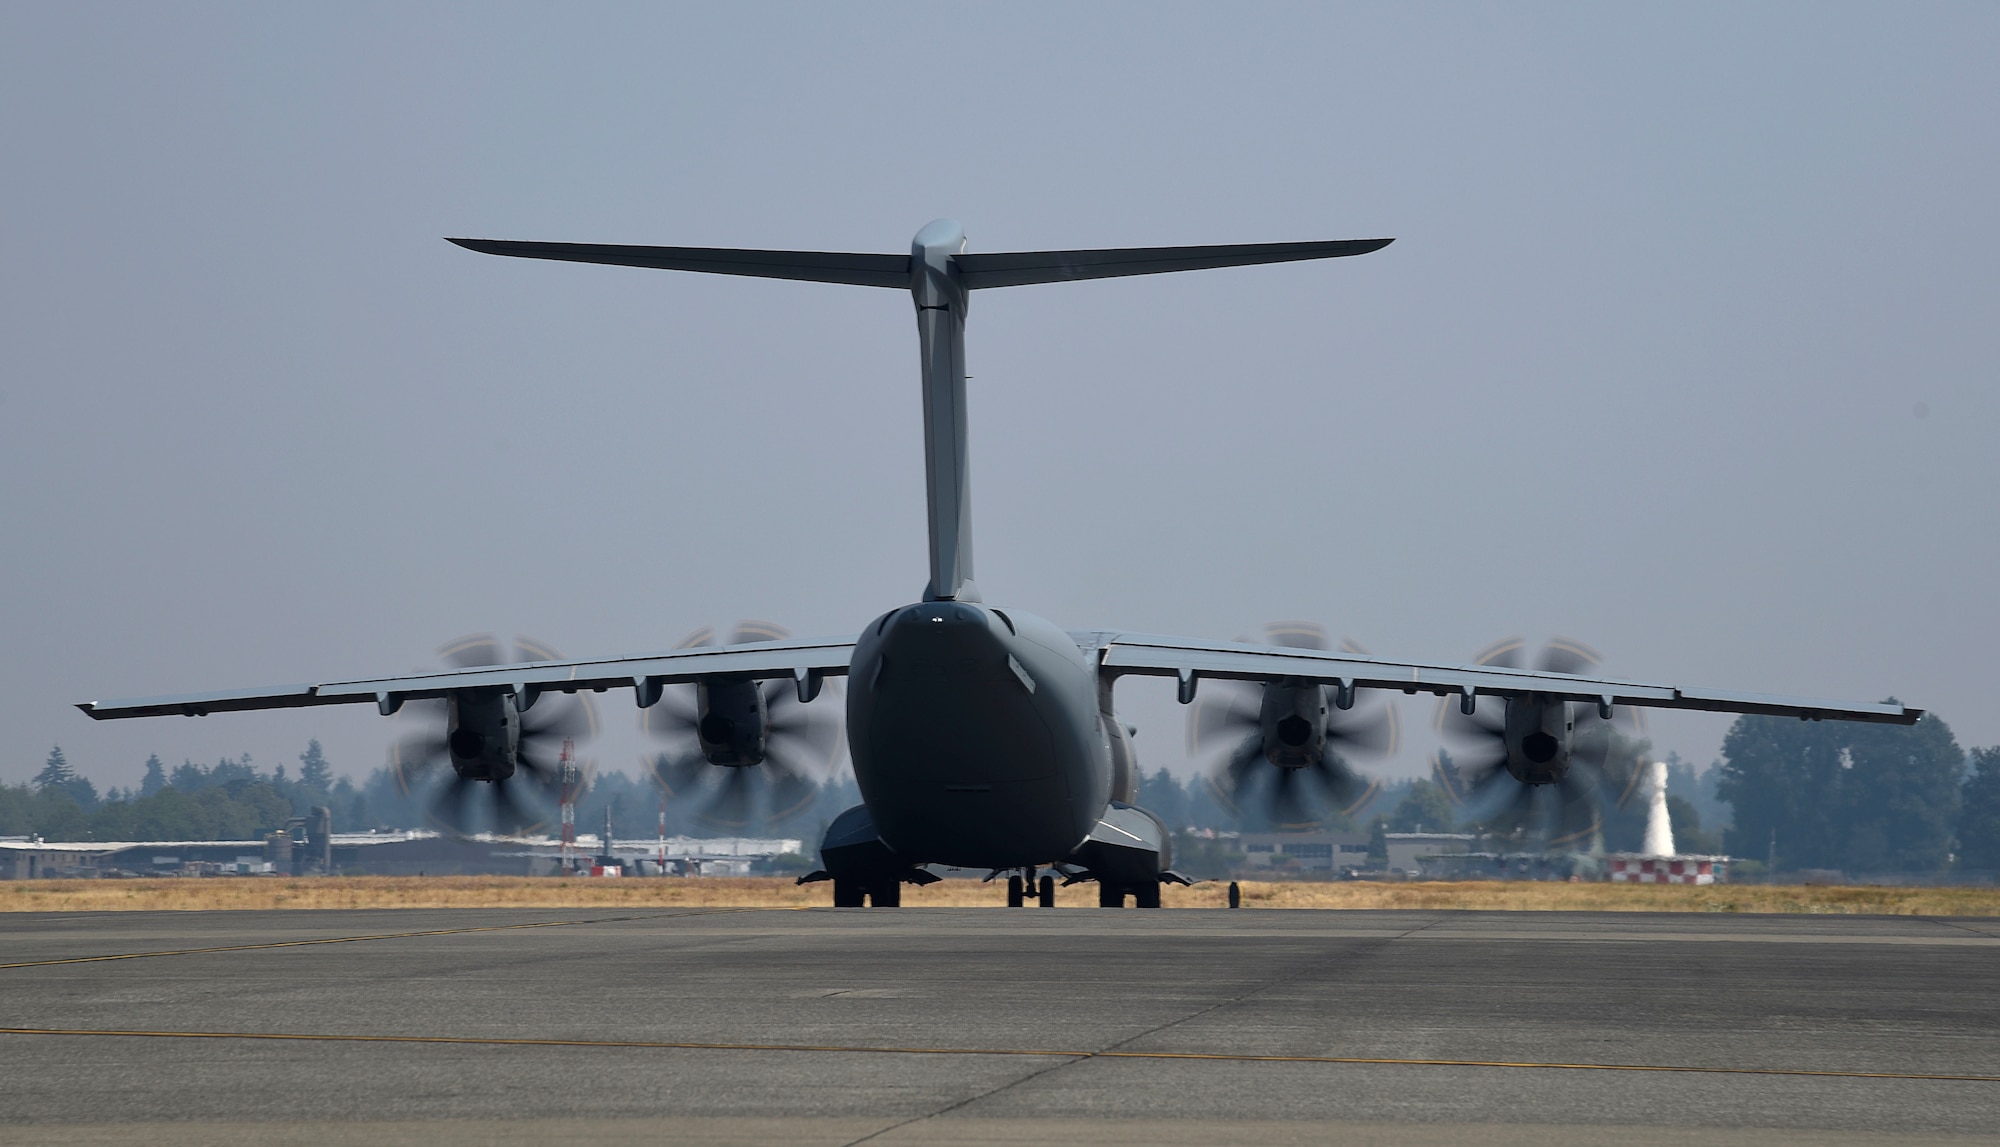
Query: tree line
1805, 794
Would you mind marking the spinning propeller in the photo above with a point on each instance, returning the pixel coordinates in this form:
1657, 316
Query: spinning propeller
741, 751
1286, 747
490, 764
1507, 780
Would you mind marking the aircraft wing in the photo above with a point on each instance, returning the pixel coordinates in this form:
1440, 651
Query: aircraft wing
806, 662
1190, 661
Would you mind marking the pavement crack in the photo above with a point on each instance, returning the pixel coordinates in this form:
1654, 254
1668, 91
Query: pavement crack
1949, 923
1307, 968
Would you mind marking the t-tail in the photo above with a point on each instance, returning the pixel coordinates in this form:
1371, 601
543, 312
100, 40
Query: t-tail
940, 276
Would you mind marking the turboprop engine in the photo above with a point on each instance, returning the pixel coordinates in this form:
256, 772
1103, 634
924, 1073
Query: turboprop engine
503, 744
1506, 752
1288, 743
1292, 720
744, 750
483, 734
1536, 733
732, 722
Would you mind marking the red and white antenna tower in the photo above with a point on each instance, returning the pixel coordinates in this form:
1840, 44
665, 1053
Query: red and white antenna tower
571, 776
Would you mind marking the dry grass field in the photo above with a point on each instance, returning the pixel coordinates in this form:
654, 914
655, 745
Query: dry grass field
264, 892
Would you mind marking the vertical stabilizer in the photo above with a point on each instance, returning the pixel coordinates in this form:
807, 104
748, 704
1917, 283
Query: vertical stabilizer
939, 274
939, 291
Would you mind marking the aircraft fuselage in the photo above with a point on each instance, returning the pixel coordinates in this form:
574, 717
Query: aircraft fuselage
976, 736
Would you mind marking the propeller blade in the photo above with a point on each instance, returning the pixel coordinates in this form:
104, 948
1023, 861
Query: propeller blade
1488, 723
1295, 634
1502, 654
730, 807
1568, 655
1236, 771
1289, 808
1595, 748
413, 756
1341, 784
1576, 820
472, 651
1508, 807
1373, 733
673, 717
574, 717
748, 631
528, 649
810, 731
791, 791
447, 809
682, 775
509, 819
1222, 712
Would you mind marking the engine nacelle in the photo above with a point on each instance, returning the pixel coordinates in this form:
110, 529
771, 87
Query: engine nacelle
483, 733
731, 721
1538, 739
1118, 746
1124, 759
1294, 718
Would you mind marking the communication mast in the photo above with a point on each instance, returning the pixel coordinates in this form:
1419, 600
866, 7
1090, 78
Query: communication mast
571, 782
663, 834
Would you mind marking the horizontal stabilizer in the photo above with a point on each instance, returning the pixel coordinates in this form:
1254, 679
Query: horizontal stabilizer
998, 269
1019, 268
862, 270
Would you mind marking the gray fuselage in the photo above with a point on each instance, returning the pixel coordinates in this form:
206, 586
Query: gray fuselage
976, 736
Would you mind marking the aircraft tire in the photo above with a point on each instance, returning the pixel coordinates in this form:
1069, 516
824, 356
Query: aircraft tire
1016, 893
1146, 895
1045, 895
887, 894
1110, 895
849, 893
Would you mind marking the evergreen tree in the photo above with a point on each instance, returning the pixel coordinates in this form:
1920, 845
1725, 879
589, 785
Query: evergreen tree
1842, 795
56, 771
1163, 796
189, 777
1979, 814
156, 777
314, 771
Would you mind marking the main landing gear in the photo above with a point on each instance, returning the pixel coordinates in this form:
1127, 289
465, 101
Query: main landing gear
1019, 887
885, 893
1112, 895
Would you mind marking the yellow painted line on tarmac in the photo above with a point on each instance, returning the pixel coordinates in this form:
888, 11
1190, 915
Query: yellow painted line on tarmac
363, 939
1213, 1056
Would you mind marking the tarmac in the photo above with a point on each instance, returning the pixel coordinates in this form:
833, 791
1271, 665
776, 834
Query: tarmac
992, 1026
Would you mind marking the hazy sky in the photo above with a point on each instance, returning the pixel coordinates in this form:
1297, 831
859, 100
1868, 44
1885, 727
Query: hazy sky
1686, 346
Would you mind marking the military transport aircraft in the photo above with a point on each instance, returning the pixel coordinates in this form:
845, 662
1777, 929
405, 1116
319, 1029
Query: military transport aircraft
984, 737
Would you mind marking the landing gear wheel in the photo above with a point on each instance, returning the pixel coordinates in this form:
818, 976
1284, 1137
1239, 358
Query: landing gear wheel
887, 894
1110, 895
1015, 895
1146, 895
849, 893
1045, 895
